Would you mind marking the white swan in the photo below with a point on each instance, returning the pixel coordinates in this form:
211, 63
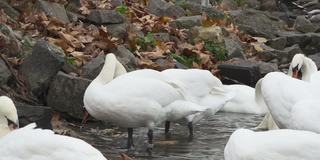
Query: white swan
135, 101
244, 100
290, 101
301, 67
29, 143
202, 88
282, 144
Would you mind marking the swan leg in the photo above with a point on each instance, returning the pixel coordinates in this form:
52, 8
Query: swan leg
150, 141
190, 126
167, 128
130, 138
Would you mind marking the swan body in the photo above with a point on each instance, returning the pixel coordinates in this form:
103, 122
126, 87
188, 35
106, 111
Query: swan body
282, 144
244, 100
140, 98
309, 73
290, 101
29, 143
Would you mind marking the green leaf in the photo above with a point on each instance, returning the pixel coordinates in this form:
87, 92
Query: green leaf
71, 61
122, 9
185, 60
219, 50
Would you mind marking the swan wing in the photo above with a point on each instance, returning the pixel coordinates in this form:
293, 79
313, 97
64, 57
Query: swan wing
305, 115
197, 83
281, 92
29, 143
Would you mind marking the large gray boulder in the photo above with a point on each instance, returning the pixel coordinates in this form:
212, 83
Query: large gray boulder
93, 68
240, 71
40, 68
103, 16
163, 8
66, 94
187, 22
257, 23
53, 9
40, 115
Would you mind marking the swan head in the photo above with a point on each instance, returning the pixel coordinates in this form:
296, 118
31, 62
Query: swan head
296, 66
8, 113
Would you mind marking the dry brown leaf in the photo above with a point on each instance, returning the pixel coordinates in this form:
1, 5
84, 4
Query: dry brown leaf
72, 41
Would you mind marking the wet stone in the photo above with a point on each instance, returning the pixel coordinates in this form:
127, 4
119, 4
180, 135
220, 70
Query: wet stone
41, 115
242, 71
66, 94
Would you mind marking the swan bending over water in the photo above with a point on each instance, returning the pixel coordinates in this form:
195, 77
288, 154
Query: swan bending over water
301, 67
28, 143
135, 101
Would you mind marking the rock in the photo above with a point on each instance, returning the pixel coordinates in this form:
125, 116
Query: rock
9, 10
308, 42
266, 68
304, 25
234, 4
163, 8
180, 65
187, 22
257, 23
53, 10
283, 56
118, 30
93, 68
5, 73
116, 3
269, 5
316, 59
228, 5
9, 44
209, 34
40, 68
234, 48
66, 94
127, 59
163, 37
163, 64
103, 16
278, 43
41, 115
74, 17
197, 9
241, 71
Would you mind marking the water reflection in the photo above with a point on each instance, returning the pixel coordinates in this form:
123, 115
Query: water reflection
209, 140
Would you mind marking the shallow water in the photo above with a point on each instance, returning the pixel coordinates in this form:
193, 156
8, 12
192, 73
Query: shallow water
210, 137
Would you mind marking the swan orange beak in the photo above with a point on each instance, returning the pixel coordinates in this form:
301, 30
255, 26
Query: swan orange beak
84, 119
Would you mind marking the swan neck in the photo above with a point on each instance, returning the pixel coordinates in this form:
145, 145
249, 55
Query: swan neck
4, 128
308, 68
107, 72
